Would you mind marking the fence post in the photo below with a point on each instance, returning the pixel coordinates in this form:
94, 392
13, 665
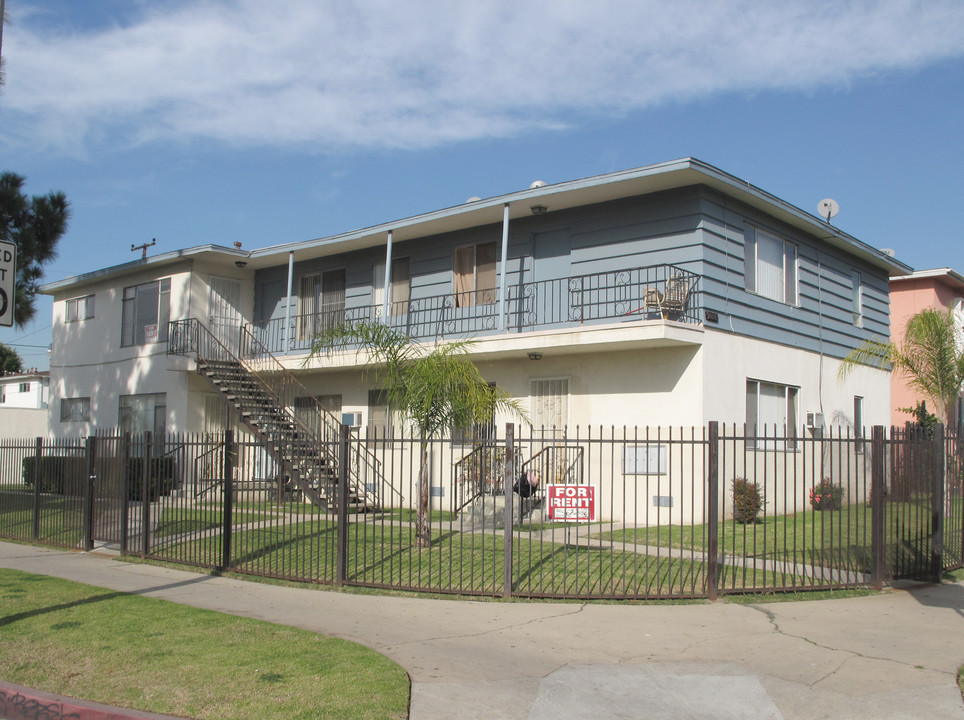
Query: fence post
227, 489
507, 482
126, 481
877, 508
713, 509
88, 539
341, 532
148, 440
39, 448
937, 507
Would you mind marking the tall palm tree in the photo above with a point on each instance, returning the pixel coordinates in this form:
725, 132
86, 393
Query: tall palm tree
436, 388
930, 355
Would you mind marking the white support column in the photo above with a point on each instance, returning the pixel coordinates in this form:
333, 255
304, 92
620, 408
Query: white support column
502, 265
388, 278
291, 275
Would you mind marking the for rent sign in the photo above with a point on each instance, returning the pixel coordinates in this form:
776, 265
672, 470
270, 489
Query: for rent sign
571, 503
8, 279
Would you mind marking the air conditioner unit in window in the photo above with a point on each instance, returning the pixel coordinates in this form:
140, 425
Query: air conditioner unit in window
352, 419
814, 420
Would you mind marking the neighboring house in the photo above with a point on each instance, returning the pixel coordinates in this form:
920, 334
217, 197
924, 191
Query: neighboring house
941, 289
668, 295
23, 404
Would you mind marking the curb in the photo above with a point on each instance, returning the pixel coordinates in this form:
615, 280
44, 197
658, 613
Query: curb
22, 703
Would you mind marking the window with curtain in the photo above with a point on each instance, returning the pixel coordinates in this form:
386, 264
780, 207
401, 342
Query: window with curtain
771, 415
474, 274
770, 266
398, 292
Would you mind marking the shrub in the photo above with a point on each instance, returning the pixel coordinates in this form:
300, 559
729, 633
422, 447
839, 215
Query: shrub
747, 501
56, 474
161, 482
826, 495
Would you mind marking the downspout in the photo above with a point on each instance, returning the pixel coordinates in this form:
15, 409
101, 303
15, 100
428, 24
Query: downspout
502, 267
388, 277
291, 275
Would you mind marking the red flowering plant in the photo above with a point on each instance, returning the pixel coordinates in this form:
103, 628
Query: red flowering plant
826, 495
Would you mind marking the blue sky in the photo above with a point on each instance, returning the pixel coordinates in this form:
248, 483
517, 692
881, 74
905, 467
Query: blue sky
270, 121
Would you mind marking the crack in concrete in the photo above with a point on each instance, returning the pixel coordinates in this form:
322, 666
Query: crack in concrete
852, 653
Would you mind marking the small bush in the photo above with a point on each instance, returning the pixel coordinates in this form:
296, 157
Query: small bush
747, 501
826, 495
162, 481
56, 474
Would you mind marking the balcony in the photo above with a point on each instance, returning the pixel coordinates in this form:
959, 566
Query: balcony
658, 292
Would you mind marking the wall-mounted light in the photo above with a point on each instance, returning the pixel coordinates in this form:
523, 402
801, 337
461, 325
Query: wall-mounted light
240, 264
539, 209
534, 356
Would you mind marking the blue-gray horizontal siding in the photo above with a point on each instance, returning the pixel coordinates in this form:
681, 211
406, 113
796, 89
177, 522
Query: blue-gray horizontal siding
695, 228
822, 320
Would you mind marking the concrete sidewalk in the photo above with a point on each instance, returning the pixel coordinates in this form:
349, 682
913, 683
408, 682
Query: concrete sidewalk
893, 655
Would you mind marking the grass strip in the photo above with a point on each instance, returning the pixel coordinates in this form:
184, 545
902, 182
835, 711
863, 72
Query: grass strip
153, 655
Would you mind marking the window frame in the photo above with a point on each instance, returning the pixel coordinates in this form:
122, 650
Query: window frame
858, 299
72, 312
66, 409
134, 312
158, 411
466, 289
790, 270
791, 417
399, 290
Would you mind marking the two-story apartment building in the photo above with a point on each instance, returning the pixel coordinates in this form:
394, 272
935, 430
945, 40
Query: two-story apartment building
667, 295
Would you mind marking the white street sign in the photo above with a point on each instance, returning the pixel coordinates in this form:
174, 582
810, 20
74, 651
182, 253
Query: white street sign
8, 282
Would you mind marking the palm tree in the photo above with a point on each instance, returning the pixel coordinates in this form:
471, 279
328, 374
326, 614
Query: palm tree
930, 355
436, 388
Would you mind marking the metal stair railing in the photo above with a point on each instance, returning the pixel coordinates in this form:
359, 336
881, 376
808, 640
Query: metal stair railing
279, 409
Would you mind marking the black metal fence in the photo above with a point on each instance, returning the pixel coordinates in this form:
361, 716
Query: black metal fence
577, 513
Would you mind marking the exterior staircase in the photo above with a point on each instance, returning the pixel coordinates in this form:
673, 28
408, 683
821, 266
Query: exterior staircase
263, 395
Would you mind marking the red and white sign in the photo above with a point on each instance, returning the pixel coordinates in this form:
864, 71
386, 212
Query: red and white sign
571, 503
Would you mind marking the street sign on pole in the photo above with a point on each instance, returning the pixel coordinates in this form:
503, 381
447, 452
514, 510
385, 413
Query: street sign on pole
8, 282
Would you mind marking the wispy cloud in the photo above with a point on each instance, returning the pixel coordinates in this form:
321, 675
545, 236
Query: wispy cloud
380, 73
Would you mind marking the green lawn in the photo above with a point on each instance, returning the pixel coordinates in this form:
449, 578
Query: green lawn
385, 555
156, 656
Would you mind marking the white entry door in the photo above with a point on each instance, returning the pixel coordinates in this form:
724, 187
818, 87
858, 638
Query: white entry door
224, 317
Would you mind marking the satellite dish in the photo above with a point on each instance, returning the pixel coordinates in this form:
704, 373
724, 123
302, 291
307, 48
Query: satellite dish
828, 208
537, 184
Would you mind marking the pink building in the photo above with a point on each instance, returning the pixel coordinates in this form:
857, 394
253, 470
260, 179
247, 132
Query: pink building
942, 289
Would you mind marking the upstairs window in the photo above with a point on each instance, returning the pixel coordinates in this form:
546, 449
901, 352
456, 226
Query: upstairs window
146, 313
398, 292
475, 274
770, 266
321, 303
858, 299
81, 308
25, 387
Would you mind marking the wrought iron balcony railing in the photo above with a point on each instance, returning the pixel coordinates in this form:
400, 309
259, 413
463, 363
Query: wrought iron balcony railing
658, 292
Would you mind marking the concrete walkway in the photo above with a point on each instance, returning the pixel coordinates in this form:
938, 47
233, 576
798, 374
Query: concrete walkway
893, 655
